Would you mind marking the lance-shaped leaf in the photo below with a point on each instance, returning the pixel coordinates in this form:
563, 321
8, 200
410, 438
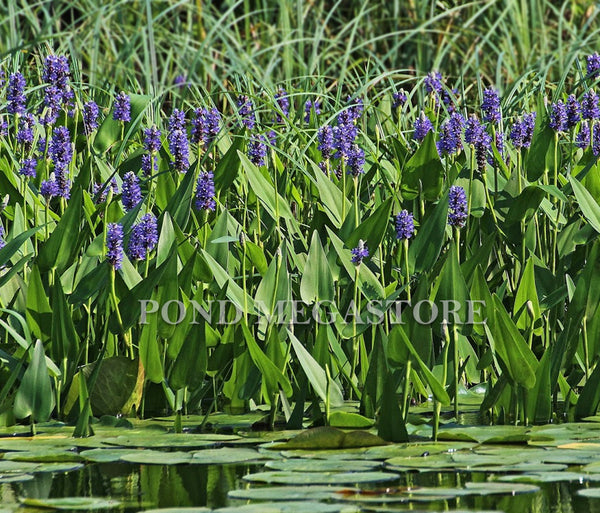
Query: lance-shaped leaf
588, 205
425, 249
316, 283
424, 172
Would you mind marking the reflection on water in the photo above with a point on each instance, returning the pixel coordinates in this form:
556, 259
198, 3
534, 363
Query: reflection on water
160, 486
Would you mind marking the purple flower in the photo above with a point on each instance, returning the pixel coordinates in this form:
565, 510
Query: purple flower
246, 111
257, 149
593, 65
205, 126
344, 135
49, 188
205, 191
474, 131
56, 71
15, 94
314, 106
399, 99
143, 238
2, 235
433, 83
457, 205
52, 101
25, 134
422, 127
356, 161
360, 252
448, 99
177, 120
28, 168
558, 116
325, 138
573, 111
283, 102
132, 193
114, 244
405, 225
450, 133
180, 149
3, 128
122, 108
582, 139
60, 148
589, 105
596, 143
355, 108
180, 81
521, 132
90, 117
101, 191
152, 141
491, 105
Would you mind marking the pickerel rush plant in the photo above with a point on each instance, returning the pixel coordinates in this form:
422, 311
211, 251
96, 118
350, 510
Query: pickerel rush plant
270, 246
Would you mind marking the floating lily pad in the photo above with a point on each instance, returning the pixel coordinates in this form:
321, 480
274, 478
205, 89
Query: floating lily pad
105, 455
493, 488
294, 507
590, 493
226, 455
169, 440
286, 493
69, 503
330, 438
490, 434
59, 467
44, 456
328, 454
550, 477
150, 457
14, 478
344, 419
414, 450
435, 461
17, 466
307, 465
178, 510
283, 477
523, 467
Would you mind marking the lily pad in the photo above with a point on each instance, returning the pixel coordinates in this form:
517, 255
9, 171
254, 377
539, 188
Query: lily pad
550, 477
70, 503
344, 419
286, 493
493, 488
294, 507
15, 478
104, 455
225, 455
178, 510
169, 440
414, 450
590, 493
435, 461
150, 457
43, 456
330, 438
308, 465
299, 478
58, 467
17, 466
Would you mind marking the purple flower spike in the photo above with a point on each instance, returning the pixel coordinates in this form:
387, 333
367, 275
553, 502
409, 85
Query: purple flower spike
114, 244
450, 132
360, 252
15, 94
283, 102
246, 111
558, 116
356, 161
582, 139
25, 134
433, 83
257, 149
144, 237
491, 105
399, 99
132, 194
310, 105
589, 105
422, 127
122, 108
28, 168
405, 225
90, 117
205, 192
457, 205
2, 235
49, 188
593, 65
325, 138
152, 141
573, 111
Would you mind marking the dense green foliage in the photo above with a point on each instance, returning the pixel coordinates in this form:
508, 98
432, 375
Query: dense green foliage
284, 229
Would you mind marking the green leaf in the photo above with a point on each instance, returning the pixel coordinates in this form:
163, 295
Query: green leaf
527, 292
330, 196
316, 283
511, 348
228, 166
34, 397
316, 374
425, 249
273, 378
344, 419
390, 425
150, 355
180, 204
373, 228
13, 245
110, 130
65, 341
424, 172
38, 313
62, 245
588, 205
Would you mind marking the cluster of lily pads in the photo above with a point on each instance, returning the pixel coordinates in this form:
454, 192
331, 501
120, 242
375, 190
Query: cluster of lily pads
253, 200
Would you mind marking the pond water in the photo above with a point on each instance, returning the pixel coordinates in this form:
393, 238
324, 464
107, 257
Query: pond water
541, 469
